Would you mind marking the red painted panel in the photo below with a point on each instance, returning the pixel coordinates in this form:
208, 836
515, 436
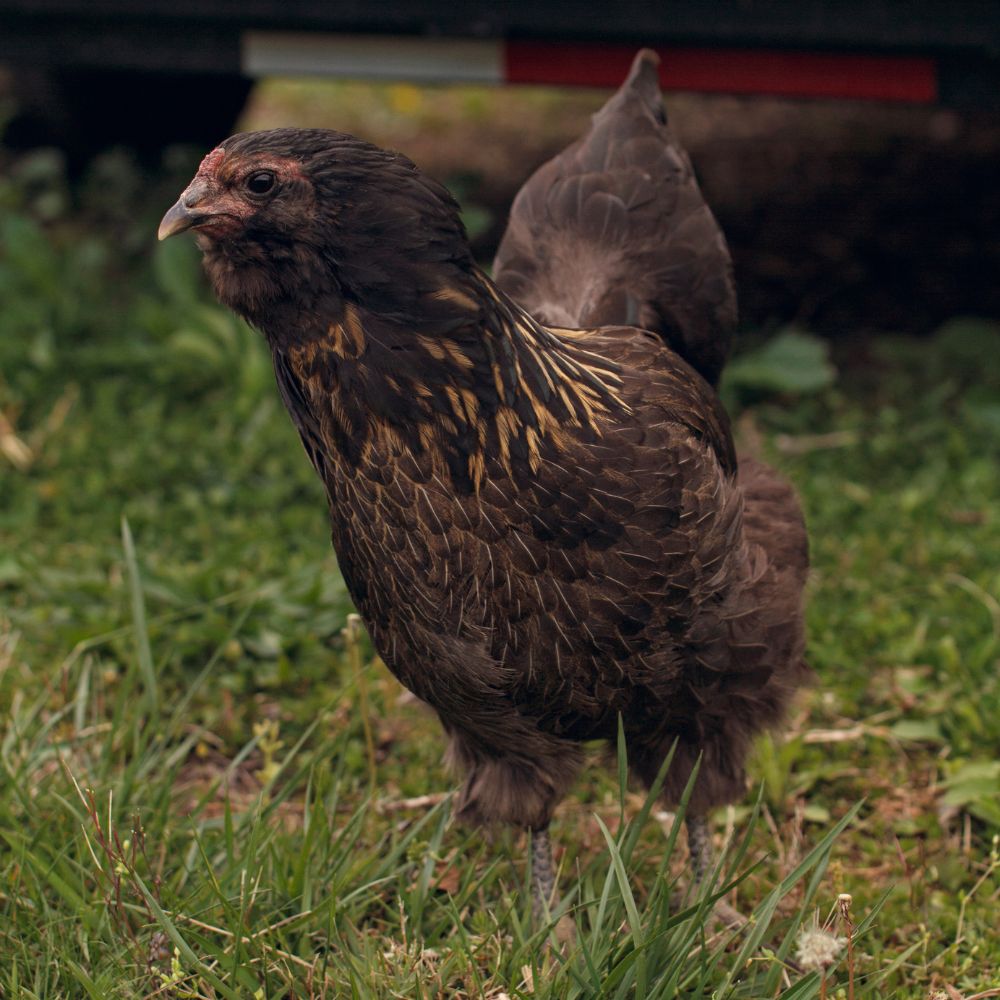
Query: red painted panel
732, 71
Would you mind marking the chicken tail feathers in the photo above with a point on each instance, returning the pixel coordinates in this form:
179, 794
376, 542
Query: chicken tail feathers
643, 81
614, 231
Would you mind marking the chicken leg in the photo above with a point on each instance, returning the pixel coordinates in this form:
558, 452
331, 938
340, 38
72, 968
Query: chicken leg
544, 894
702, 861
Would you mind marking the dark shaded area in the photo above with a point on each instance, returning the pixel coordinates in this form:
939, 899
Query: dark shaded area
959, 30
82, 111
892, 224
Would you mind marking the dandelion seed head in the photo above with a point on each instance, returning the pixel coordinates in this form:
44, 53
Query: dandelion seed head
818, 949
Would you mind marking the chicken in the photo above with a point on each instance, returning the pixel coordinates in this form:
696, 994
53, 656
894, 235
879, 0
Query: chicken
543, 529
614, 230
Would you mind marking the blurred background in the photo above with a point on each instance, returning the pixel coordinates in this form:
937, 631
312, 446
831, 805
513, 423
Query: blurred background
878, 213
173, 628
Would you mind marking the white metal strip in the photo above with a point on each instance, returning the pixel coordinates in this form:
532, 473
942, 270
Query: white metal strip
386, 57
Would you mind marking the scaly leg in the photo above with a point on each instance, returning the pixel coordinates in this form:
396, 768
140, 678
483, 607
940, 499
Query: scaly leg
699, 847
702, 861
543, 877
545, 892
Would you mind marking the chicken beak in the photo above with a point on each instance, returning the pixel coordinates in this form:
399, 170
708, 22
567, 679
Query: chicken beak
187, 213
179, 218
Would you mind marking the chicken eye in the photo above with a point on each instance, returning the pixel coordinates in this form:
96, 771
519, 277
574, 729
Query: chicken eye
260, 182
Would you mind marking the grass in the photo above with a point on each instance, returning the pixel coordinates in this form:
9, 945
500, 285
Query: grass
211, 789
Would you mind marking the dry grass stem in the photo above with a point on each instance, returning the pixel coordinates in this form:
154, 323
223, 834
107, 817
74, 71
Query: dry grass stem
416, 802
844, 906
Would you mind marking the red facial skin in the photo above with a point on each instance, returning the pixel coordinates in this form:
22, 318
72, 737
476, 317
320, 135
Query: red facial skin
218, 193
211, 162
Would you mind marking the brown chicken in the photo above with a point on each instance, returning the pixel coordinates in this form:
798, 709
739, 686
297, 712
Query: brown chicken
544, 530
